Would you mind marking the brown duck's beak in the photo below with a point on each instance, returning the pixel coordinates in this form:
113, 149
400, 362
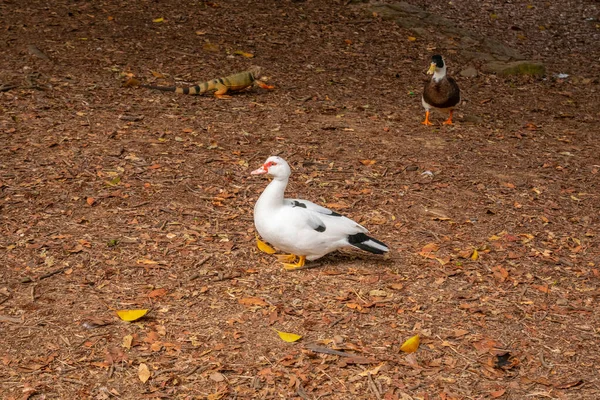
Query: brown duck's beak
431, 69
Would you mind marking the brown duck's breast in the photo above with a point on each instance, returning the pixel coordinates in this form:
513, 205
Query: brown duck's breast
442, 94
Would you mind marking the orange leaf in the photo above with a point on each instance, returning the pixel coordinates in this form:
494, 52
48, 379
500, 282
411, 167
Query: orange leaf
157, 293
90, 201
500, 273
368, 162
541, 288
155, 166
497, 393
243, 53
430, 248
252, 301
337, 206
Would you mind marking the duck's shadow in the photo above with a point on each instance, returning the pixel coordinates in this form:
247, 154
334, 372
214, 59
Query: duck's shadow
347, 258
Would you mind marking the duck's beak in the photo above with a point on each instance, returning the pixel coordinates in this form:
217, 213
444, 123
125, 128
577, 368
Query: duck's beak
431, 69
260, 171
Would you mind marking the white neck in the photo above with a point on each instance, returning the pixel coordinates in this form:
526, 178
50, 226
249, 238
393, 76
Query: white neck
439, 74
272, 196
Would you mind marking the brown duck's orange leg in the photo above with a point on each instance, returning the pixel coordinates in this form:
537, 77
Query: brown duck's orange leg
449, 120
426, 122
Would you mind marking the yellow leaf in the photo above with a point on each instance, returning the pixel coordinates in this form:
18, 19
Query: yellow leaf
411, 345
475, 255
161, 19
288, 337
264, 247
143, 373
157, 74
243, 53
412, 38
131, 315
368, 162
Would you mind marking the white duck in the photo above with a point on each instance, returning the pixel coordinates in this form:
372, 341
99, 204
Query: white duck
304, 229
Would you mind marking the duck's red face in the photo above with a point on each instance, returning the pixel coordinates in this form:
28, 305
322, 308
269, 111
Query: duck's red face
264, 169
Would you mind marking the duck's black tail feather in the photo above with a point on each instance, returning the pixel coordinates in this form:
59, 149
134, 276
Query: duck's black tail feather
367, 243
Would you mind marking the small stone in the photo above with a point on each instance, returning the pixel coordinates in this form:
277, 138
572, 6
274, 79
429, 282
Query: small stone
469, 72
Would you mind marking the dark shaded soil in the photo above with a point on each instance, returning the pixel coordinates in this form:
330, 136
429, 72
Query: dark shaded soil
109, 194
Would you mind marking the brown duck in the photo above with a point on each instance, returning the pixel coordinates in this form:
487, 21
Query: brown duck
441, 91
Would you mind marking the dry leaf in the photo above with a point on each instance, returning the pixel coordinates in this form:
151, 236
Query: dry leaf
264, 247
217, 377
378, 293
131, 82
90, 201
157, 293
368, 162
410, 345
475, 255
288, 337
243, 53
373, 371
412, 38
429, 248
157, 20
497, 393
208, 46
542, 288
252, 301
146, 261
143, 373
337, 206
127, 341
131, 315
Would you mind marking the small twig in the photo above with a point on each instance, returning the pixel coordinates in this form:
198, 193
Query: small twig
227, 277
52, 273
311, 266
196, 368
203, 261
373, 387
337, 321
33, 293
544, 361
71, 380
111, 370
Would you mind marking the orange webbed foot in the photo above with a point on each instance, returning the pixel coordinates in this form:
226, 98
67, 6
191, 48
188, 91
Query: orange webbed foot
426, 122
299, 264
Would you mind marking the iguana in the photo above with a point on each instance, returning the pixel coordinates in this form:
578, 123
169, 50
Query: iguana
234, 83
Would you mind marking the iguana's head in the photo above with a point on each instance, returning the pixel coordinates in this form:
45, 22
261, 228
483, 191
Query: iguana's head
255, 71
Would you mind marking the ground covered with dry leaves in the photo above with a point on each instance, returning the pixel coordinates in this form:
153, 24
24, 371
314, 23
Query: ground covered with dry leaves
117, 197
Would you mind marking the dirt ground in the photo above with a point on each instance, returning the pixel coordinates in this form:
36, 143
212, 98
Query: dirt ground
117, 197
